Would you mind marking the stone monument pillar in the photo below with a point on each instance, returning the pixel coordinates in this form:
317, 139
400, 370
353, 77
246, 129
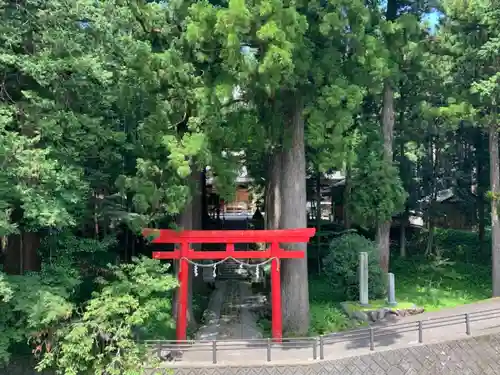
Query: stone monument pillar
363, 279
391, 290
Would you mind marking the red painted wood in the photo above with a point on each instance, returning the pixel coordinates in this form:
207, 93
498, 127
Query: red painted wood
251, 254
276, 319
181, 327
166, 254
230, 236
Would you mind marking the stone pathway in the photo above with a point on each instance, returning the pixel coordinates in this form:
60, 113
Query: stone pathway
230, 313
237, 321
211, 317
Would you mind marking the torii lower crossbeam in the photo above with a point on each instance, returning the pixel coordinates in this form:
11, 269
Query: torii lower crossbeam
230, 237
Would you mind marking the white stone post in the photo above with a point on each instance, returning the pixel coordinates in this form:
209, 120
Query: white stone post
363, 279
391, 290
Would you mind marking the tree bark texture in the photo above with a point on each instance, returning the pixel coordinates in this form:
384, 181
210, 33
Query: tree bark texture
482, 183
273, 191
199, 191
402, 235
495, 193
384, 228
21, 253
185, 221
434, 156
203, 202
346, 196
405, 172
295, 290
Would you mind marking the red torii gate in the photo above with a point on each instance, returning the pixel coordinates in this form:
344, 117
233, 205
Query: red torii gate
230, 237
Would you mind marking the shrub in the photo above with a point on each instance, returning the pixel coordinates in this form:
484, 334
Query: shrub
34, 305
327, 318
70, 332
5, 289
342, 263
105, 336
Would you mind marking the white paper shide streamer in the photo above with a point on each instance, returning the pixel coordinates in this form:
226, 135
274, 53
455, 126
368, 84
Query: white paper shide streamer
241, 265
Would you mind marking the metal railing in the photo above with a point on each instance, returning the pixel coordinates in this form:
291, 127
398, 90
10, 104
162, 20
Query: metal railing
172, 349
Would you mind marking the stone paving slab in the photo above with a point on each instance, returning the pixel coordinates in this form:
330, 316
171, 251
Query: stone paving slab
210, 328
229, 315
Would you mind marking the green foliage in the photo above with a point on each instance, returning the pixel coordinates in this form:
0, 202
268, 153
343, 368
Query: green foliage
317, 251
75, 332
326, 314
328, 318
5, 289
6, 294
64, 249
103, 338
377, 192
108, 108
36, 305
474, 53
456, 245
98, 107
39, 304
342, 263
432, 284
48, 191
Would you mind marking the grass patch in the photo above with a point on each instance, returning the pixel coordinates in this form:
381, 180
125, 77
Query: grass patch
438, 285
419, 282
326, 313
325, 318
264, 324
329, 317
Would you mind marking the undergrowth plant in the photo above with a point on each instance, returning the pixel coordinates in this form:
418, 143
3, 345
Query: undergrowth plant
105, 336
35, 307
74, 331
342, 263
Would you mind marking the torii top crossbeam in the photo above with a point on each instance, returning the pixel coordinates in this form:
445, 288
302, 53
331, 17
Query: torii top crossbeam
230, 238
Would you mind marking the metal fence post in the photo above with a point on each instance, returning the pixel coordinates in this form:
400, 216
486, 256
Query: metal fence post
467, 324
268, 350
321, 347
315, 348
372, 339
159, 349
214, 352
420, 332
